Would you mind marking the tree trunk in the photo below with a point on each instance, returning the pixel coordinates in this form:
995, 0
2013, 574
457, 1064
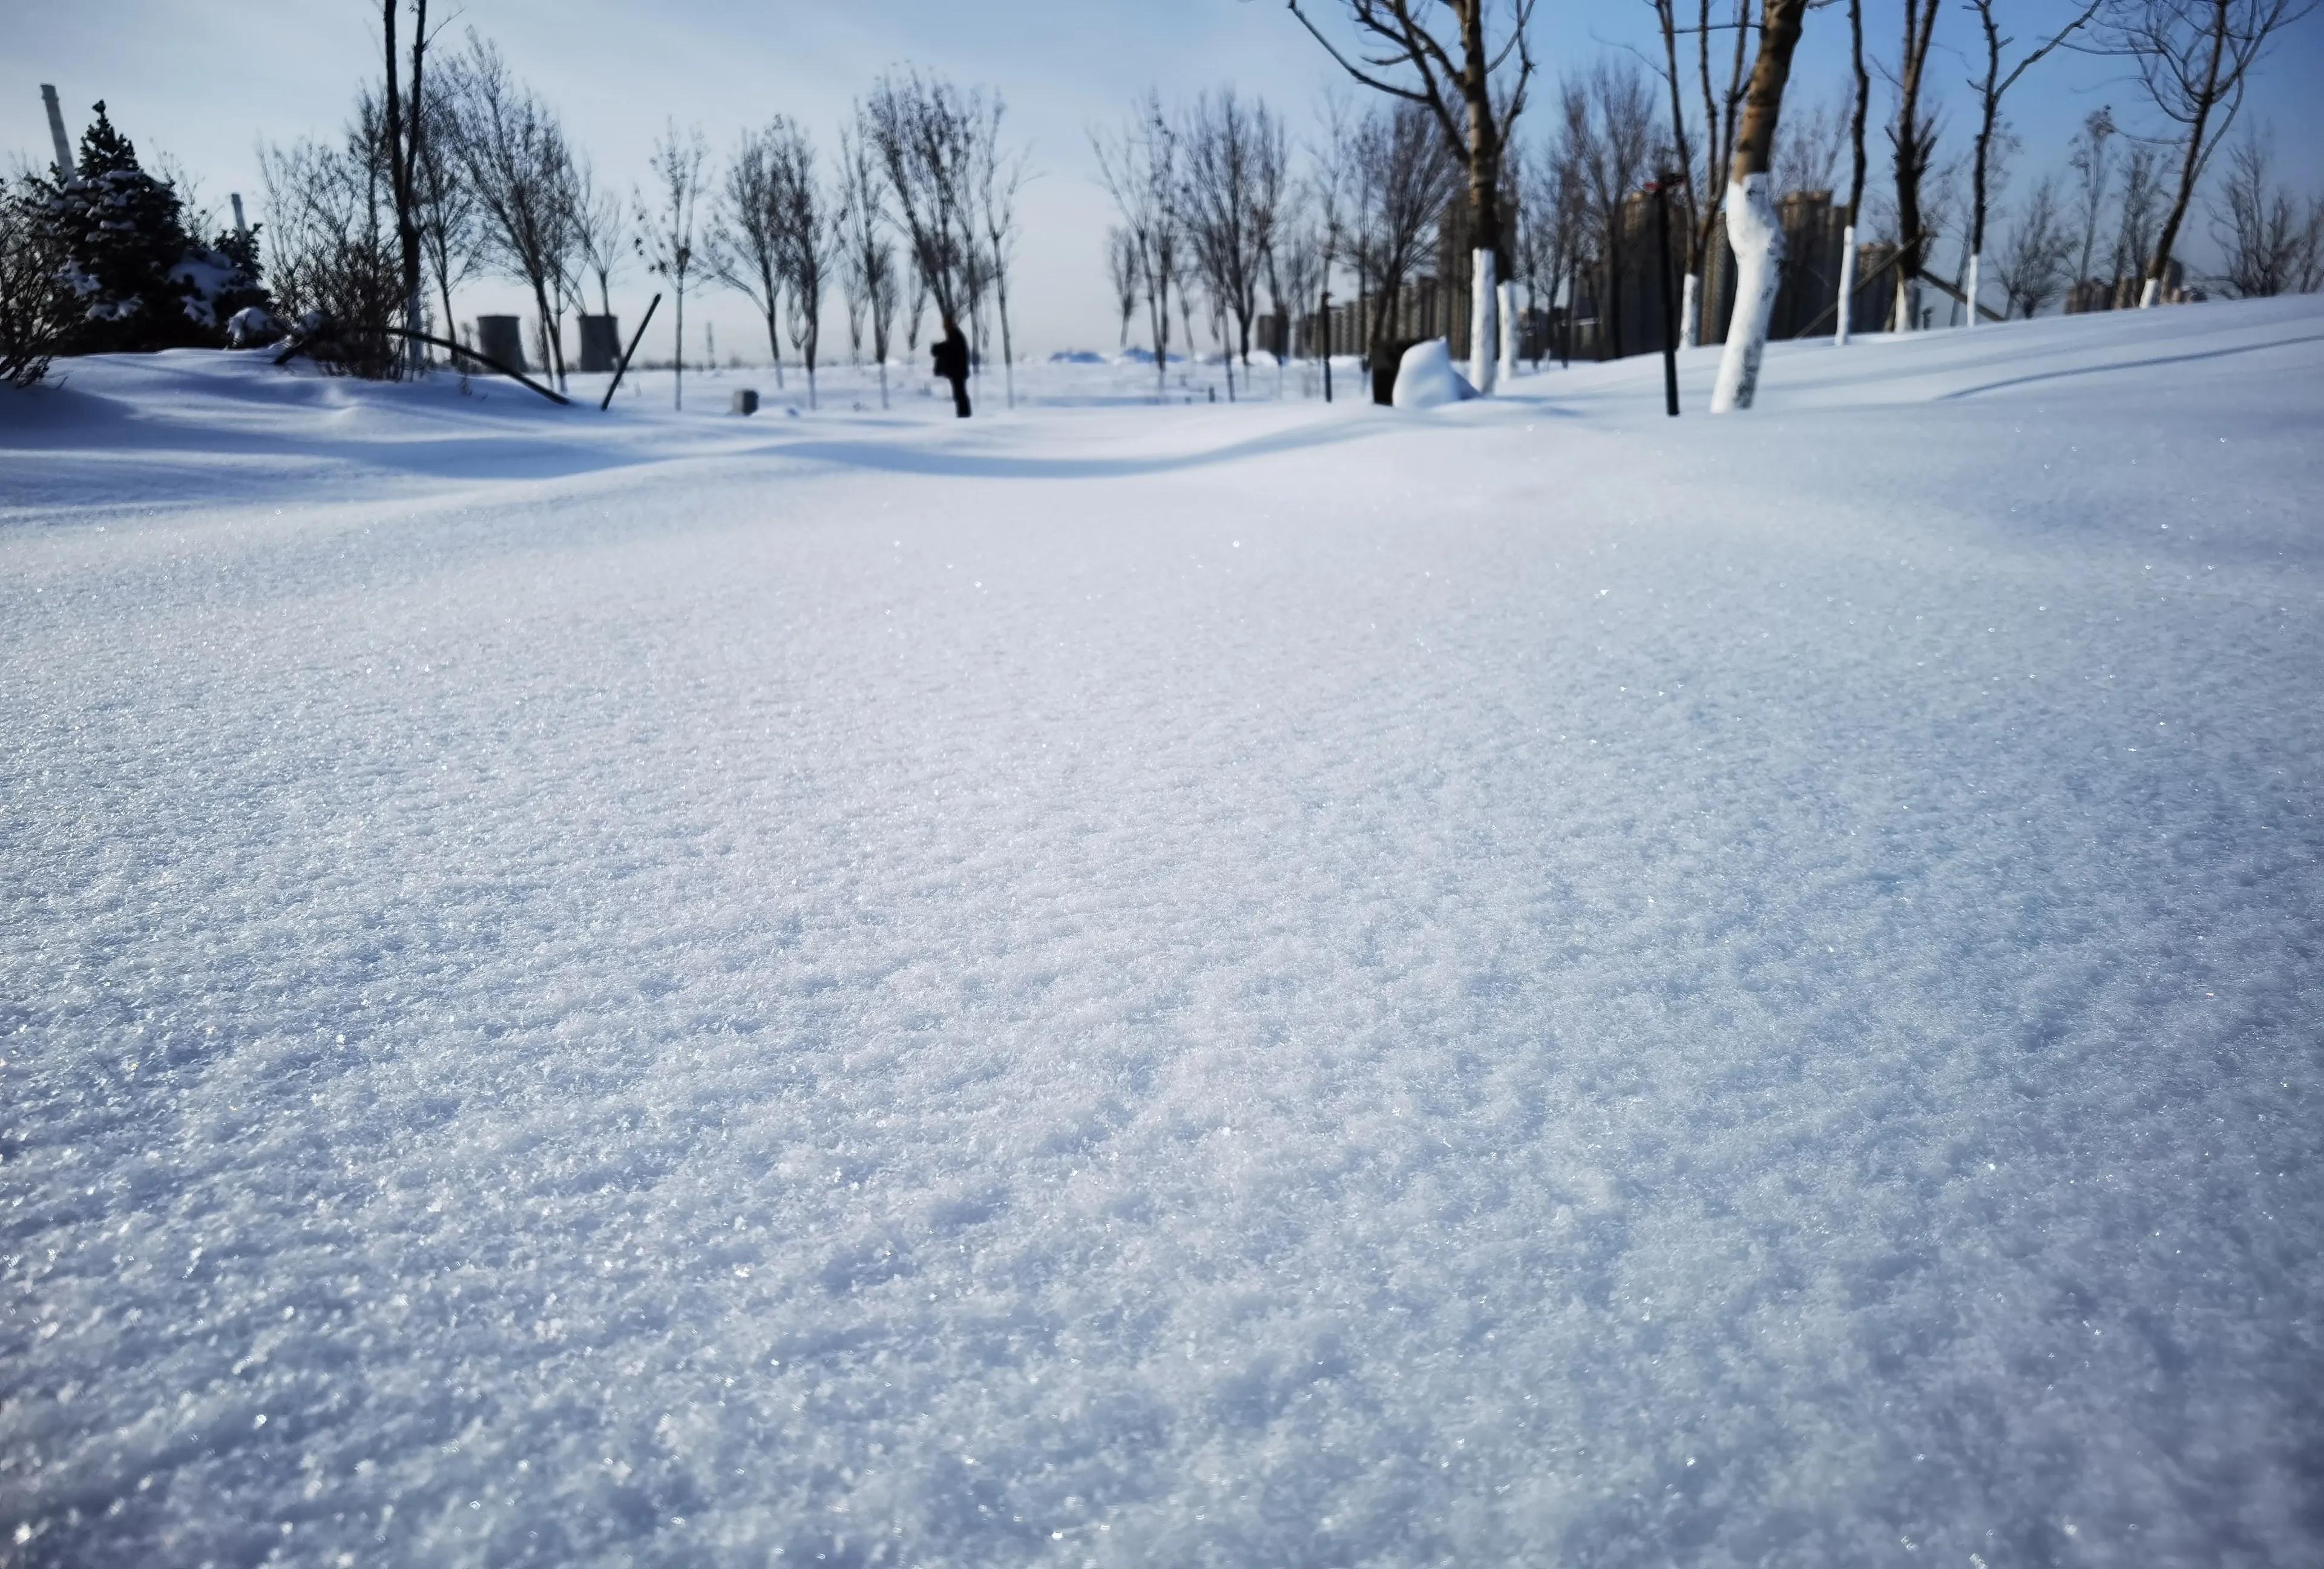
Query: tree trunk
1920, 26
1689, 312
1968, 290
678, 393
1483, 339
1751, 223
1844, 310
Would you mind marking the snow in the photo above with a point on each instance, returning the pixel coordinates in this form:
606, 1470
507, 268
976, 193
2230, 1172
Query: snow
1252, 983
1425, 379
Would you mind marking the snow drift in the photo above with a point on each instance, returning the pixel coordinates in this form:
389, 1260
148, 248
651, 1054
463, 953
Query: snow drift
1217, 984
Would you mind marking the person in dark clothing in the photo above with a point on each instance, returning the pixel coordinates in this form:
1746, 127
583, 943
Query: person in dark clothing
952, 363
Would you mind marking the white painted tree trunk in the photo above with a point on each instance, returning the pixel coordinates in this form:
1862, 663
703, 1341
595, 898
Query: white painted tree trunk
1690, 312
1482, 338
1505, 301
1846, 307
2149, 295
1904, 310
1969, 290
1759, 242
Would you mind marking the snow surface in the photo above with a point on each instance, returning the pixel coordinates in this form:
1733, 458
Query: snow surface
1251, 984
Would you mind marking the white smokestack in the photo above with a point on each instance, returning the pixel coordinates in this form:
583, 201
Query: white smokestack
57, 131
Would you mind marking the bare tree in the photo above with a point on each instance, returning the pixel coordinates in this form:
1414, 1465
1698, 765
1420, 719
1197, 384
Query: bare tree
333, 254
1844, 306
868, 271
2266, 242
1553, 220
1139, 164
1461, 84
449, 235
404, 128
517, 163
2093, 179
1609, 137
1752, 229
998, 175
1989, 88
1233, 152
665, 236
1912, 144
2035, 259
1720, 108
2139, 212
2194, 59
807, 233
36, 308
925, 130
1404, 179
601, 223
745, 243
1122, 272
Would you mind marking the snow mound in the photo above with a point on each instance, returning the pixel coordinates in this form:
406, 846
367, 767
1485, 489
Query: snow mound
1425, 379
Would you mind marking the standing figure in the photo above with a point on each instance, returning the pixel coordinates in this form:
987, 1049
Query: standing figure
952, 363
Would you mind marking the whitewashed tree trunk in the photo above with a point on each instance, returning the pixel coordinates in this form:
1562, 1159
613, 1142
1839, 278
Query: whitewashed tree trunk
1690, 312
1505, 302
1759, 242
1846, 307
1483, 337
1904, 312
1969, 290
2150, 295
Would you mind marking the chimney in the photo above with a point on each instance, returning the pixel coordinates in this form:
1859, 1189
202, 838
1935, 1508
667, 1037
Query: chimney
241, 225
57, 131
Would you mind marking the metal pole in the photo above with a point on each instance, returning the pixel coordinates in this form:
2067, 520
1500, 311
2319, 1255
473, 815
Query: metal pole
623, 369
1670, 311
1326, 326
57, 131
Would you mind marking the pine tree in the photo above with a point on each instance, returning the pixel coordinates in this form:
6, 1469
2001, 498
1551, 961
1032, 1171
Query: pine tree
123, 241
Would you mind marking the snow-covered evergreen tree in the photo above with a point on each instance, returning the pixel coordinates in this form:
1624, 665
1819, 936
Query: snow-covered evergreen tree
138, 280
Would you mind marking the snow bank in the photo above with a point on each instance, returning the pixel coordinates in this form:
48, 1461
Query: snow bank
1178, 986
1425, 379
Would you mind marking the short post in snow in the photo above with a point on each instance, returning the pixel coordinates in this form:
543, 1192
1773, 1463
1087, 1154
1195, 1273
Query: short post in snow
1660, 191
1326, 326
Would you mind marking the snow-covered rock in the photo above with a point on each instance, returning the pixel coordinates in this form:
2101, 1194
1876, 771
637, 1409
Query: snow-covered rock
1425, 379
252, 327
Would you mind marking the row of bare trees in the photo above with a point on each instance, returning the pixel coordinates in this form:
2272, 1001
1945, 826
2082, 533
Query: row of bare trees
453, 167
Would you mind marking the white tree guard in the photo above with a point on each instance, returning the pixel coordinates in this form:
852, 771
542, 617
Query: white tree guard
1847, 306
1689, 312
1758, 242
1482, 336
1975, 262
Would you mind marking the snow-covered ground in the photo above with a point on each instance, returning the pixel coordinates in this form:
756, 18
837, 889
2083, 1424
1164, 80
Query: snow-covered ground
1241, 985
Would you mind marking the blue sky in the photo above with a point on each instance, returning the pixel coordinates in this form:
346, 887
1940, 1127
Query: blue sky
205, 82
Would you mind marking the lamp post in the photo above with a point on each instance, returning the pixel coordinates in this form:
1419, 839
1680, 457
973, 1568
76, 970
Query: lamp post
1325, 325
1660, 191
